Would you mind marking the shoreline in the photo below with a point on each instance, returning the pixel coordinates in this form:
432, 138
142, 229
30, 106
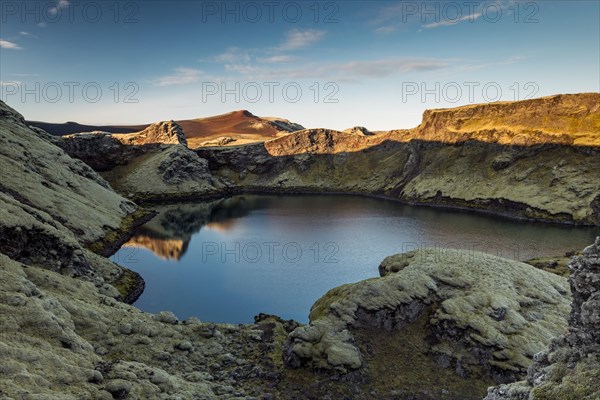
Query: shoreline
225, 194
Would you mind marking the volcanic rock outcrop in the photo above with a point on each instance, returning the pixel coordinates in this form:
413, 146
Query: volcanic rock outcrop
358, 130
153, 164
570, 368
167, 132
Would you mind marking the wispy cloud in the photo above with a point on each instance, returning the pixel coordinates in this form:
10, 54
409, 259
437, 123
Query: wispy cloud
470, 18
297, 39
276, 59
472, 66
60, 5
389, 19
5, 44
233, 54
341, 71
243, 60
27, 34
182, 76
385, 30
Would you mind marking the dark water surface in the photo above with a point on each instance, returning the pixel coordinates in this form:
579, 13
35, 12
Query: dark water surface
227, 261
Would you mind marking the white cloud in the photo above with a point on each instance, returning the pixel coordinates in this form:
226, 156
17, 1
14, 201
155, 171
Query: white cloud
276, 59
297, 38
5, 44
470, 18
387, 67
42, 24
61, 5
233, 54
27, 34
385, 30
182, 76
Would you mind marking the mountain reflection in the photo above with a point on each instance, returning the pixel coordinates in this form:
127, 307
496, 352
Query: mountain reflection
169, 233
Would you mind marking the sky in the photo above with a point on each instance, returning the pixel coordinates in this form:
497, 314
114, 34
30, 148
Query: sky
333, 64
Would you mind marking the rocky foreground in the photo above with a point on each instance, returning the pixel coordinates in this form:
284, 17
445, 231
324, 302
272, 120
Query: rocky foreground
434, 325
570, 368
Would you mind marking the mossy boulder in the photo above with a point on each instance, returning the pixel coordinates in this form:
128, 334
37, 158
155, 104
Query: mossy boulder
489, 315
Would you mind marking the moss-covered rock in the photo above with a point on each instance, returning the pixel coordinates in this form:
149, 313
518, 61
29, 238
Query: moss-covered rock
570, 368
490, 315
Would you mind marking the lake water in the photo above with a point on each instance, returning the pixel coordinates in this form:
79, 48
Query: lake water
229, 260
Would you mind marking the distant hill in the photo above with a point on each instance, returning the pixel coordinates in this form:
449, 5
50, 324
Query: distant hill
69, 128
238, 127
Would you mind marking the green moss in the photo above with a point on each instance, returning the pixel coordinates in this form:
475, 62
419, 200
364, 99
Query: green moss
103, 246
555, 265
578, 385
129, 285
401, 362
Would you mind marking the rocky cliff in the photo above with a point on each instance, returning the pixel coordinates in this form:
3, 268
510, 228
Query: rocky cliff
568, 119
167, 132
543, 182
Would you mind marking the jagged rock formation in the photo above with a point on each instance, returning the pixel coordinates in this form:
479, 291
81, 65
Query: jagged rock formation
169, 172
284, 124
104, 151
167, 132
152, 164
570, 368
100, 150
358, 130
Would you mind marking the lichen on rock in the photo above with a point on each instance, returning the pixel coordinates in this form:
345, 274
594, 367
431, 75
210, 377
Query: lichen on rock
570, 368
489, 315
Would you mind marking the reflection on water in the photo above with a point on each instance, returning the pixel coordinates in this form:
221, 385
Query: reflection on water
228, 260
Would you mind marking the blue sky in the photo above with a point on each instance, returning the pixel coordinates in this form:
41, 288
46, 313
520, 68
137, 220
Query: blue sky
328, 64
